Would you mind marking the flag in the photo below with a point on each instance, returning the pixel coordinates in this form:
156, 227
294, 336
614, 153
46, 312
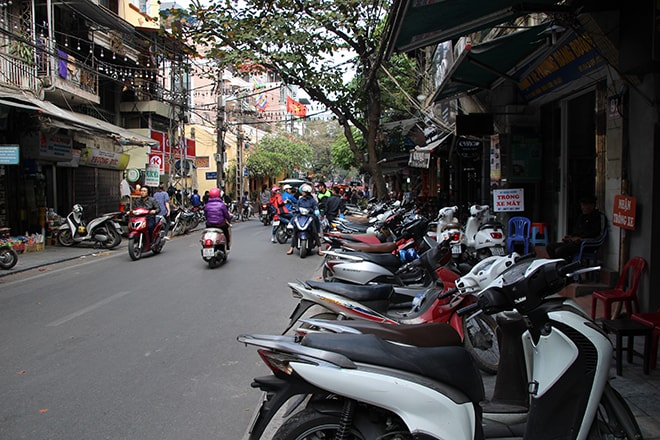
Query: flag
295, 108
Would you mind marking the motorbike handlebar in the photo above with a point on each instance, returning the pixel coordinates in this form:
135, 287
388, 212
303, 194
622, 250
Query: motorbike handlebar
468, 309
448, 293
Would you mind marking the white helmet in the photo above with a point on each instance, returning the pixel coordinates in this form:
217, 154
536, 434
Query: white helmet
305, 188
287, 186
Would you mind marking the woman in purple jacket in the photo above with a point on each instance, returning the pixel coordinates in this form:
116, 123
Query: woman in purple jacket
217, 214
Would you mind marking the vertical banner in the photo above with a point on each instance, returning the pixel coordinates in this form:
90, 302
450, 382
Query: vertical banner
495, 161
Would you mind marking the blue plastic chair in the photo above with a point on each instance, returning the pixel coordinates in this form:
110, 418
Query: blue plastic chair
518, 231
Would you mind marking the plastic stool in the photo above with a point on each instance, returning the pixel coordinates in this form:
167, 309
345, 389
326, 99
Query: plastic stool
539, 229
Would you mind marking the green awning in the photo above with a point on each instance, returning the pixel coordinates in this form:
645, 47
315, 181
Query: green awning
420, 23
481, 66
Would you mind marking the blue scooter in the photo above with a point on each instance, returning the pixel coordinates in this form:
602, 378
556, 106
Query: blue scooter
303, 222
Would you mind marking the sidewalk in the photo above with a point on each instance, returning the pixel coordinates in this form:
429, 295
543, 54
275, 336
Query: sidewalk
57, 254
642, 392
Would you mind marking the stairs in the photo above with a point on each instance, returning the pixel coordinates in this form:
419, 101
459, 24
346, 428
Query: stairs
581, 292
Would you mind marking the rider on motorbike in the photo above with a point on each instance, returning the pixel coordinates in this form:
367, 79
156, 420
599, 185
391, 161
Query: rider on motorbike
309, 202
217, 214
148, 202
278, 204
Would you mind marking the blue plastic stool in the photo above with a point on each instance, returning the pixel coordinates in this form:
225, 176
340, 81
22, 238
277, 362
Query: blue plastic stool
539, 229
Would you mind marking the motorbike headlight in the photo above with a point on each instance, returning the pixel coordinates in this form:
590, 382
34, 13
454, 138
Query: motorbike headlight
304, 211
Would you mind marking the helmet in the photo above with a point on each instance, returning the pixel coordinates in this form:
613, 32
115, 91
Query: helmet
408, 255
275, 188
78, 209
287, 186
214, 193
306, 188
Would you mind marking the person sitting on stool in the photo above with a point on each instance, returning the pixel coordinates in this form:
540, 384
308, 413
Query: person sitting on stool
587, 225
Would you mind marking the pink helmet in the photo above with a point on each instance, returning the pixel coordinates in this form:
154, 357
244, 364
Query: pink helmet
275, 188
214, 193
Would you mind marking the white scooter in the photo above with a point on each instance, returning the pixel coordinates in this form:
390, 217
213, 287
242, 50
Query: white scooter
483, 235
360, 386
103, 230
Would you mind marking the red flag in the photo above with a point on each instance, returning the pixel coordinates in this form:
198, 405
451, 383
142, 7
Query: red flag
295, 108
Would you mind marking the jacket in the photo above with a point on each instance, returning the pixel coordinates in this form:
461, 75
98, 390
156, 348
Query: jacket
279, 204
216, 212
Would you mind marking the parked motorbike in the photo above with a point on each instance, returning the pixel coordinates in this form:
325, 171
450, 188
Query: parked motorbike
303, 222
139, 239
186, 220
367, 387
483, 235
266, 215
104, 230
214, 247
388, 304
8, 256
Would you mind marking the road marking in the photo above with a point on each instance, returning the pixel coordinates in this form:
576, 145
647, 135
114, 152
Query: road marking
81, 312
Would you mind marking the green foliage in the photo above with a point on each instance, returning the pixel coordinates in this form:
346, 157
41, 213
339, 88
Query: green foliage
342, 155
276, 155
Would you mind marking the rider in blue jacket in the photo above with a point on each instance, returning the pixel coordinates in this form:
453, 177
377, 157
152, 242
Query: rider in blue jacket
309, 202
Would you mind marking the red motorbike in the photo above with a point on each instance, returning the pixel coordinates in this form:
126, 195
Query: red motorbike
139, 239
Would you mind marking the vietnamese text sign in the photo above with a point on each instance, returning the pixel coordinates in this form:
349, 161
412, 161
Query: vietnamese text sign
9, 155
211, 175
152, 175
509, 199
624, 212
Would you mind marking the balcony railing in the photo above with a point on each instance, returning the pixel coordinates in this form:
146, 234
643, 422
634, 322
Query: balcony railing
17, 73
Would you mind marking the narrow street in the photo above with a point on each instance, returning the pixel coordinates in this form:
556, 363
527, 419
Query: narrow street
108, 348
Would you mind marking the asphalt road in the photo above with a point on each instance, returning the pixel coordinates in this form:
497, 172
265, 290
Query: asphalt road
115, 349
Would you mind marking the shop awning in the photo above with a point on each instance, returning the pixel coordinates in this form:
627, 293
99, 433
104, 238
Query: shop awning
484, 65
75, 121
431, 146
423, 23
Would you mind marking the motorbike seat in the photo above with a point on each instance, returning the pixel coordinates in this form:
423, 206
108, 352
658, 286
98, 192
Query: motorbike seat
491, 225
451, 365
380, 248
363, 238
429, 334
360, 293
389, 261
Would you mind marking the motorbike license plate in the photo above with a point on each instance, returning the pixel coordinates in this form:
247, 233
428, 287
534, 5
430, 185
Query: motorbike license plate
456, 249
208, 252
276, 222
264, 213
497, 251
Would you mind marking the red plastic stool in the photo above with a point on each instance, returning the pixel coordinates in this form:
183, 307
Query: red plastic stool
651, 320
539, 229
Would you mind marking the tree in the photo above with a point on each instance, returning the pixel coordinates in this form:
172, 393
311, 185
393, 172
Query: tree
278, 155
300, 41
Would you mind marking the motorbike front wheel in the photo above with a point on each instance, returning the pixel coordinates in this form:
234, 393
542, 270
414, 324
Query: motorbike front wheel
311, 424
303, 248
480, 339
8, 258
65, 238
281, 235
134, 249
614, 419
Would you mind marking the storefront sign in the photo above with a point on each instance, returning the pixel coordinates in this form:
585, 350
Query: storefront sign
625, 210
9, 155
469, 149
55, 147
132, 175
419, 159
152, 176
574, 59
157, 160
495, 161
93, 157
506, 200
74, 162
211, 175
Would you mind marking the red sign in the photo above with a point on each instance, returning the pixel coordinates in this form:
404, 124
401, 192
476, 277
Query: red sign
624, 212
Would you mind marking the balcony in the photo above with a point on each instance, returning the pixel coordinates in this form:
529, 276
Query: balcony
66, 80
17, 73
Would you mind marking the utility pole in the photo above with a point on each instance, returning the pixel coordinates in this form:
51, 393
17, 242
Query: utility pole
220, 147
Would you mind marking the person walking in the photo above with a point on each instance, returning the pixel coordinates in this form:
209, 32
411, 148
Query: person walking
163, 200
